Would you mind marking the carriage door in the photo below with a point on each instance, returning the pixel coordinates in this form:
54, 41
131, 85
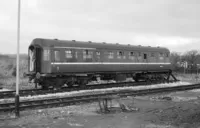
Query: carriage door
38, 59
34, 59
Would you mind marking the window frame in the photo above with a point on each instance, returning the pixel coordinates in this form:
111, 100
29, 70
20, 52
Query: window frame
139, 54
110, 55
152, 54
98, 53
87, 54
68, 54
167, 55
145, 56
131, 55
57, 57
46, 54
120, 55
161, 54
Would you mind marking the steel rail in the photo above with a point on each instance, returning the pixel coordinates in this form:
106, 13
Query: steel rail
65, 101
10, 94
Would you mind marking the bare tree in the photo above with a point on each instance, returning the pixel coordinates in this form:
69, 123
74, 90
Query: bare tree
191, 57
175, 58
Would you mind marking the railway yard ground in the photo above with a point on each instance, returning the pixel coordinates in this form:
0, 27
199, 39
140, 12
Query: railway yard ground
164, 110
168, 110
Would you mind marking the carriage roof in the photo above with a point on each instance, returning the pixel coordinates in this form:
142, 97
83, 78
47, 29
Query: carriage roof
73, 43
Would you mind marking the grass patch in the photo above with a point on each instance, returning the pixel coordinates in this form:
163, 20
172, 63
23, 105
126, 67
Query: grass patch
192, 78
8, 72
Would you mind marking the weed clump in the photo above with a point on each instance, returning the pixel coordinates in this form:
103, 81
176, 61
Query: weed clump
8, 71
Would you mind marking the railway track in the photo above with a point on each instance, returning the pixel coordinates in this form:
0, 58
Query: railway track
32, 92
64, 101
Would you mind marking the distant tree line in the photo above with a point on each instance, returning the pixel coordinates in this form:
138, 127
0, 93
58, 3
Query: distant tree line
188, 62
2, 56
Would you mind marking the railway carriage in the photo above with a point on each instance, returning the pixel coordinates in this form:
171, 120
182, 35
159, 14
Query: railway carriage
55, 62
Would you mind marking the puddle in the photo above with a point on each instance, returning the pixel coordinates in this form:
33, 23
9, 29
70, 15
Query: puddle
173, 98
161, 98
157, 126
178, 99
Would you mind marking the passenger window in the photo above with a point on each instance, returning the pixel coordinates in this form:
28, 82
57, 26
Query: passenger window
98, 53
87, 54
76, 54
145, 56
68, 53
161, 54
46, 54
152, 55
110, 55
139, 53
131, 55
120, 55
57, 56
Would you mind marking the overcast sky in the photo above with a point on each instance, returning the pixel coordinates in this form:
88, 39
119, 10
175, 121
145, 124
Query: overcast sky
169, 23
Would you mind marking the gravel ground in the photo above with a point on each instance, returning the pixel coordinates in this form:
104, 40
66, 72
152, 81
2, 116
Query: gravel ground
167, 110
94, 91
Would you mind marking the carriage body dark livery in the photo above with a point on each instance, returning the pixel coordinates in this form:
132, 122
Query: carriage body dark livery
55, 62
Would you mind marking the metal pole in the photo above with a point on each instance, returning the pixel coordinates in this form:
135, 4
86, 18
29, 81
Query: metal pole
17, 75
184, 68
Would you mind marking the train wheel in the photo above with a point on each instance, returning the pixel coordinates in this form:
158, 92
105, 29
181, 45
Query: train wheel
70, 84
44, 84
120, 77
45, 87
59, 83
82, 83
136, 77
